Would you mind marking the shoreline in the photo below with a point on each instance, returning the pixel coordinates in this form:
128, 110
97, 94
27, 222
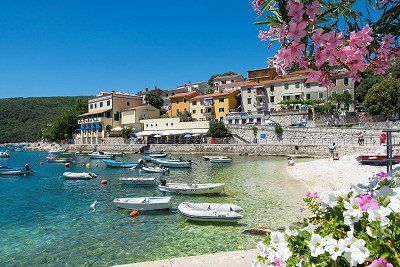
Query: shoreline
323, 176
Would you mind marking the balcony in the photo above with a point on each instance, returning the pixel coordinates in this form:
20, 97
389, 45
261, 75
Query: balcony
208, 102
261, 93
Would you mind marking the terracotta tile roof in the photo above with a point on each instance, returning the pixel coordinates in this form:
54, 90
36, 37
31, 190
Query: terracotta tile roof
232, 92
227, 76
188, 94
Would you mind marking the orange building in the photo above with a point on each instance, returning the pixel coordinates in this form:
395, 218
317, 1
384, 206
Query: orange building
181, 102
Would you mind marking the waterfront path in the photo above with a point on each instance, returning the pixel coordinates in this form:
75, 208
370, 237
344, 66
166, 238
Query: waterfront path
240, 258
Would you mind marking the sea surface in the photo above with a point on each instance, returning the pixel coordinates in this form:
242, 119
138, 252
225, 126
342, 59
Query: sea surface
47, 220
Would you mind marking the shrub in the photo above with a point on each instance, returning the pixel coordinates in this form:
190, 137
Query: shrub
278, 129
358, 226
217, 129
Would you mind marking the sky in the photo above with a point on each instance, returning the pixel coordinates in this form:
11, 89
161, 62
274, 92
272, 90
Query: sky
75, 47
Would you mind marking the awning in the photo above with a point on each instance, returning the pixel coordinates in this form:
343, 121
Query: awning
173, 132
287, 94
94, 112
98, 126
116, 129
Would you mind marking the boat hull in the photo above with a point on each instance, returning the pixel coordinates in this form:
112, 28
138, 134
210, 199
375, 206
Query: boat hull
120, 164
97, 156
164, 203
192, 190
78, 176
155, 170
174, 164
208, 215
377, 160
15, 172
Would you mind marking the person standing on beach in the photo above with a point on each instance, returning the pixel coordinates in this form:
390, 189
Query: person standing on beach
332, 149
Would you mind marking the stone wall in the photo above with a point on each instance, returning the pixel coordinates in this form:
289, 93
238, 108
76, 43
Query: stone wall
306, 136
299, 150
128, 148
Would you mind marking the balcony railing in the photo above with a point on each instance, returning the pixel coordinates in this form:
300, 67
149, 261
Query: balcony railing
260, 93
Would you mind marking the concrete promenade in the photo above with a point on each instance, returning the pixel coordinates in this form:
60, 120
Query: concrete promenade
224, 259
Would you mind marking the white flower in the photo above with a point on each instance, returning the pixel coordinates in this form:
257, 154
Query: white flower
293, 232
316, 245
335, 248
262, 249
310, 228
350, 238
353, 213
379, 214
395, 203
359, 253
277, 238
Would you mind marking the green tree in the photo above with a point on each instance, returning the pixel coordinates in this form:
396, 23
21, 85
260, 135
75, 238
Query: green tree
340, 99
153, 99
384, 98
217, 129
184, 114
362, 88
126, 132
211, 80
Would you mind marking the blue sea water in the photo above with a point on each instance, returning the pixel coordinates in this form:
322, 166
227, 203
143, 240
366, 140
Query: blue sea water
47, 220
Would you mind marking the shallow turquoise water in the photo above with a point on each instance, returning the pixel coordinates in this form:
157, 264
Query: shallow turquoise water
47, 220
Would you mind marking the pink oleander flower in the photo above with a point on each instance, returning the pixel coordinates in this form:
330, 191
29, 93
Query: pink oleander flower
263, 35
382, 176
314, 76
367, 201
256, 6
381, 262
295, 10
313, 195
296, 30
314, 10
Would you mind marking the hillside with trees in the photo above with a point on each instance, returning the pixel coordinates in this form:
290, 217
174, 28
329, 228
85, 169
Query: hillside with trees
25, 119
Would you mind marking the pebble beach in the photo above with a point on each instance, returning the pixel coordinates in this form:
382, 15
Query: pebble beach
324, 176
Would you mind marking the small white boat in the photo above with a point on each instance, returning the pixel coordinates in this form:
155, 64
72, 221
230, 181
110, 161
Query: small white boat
4, 154
101, 155
79, 175
81, 154
19, 149
174, 163
148, 152
155, 169
162, 155
215, 206
144, 203
192, 189
55, 159
139, 180
220, 160
194, 212
55, 151
206, 158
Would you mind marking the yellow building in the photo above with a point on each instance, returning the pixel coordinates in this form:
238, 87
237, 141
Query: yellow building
181, 102
214, 106
131, 117
104, 114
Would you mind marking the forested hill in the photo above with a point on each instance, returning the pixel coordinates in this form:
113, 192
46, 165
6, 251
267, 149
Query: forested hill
23, 119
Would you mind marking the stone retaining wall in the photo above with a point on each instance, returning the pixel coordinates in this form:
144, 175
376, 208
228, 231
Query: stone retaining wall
128, 148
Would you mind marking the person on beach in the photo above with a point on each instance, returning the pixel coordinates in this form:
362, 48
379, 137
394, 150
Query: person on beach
332, 149
290, 161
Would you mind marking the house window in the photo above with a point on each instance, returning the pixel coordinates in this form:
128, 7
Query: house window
286, 97
166, 124
151, 125
193, 111
127, 103
248, 100
221, 109
147, 125
184, 100
229, 121
116, 116
320, 95
333, 80
95, 105
166, 95
172, 124
173, 93
223, 82
249, 90
201, 110
297, 97
346, 91
272, 88
177, 100
221, 100
308, 85
91, 106
308, 96
177, 110
297, 85
346, 81
286, 86
101, 104
194, 103
272, 99
108, 103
